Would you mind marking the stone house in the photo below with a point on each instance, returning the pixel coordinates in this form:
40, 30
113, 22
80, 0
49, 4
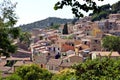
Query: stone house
63, 45
53, 65
103, 54
111, 24
95, 44
102, 25
114, 16
70, 60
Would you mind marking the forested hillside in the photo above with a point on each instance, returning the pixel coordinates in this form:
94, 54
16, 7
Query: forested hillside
106, 10
44, 23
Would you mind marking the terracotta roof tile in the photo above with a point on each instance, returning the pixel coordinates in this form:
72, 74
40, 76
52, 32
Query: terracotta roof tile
66, 47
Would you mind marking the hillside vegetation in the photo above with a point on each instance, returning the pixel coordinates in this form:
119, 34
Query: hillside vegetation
44, 23
106, 10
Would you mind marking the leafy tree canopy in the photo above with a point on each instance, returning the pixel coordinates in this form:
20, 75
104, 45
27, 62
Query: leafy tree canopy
8, 15
55, 26
116, 7
99, 12
77, 6
111, 43
98, 69
25, 37
65, 29
66, 74
8, 19
33, 72
13, 77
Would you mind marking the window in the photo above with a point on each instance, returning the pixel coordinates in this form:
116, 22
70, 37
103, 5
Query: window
48, 54
85, 42
72, 44
56, 68
78, 38
96, 41
80, 48
94, 49
41, 65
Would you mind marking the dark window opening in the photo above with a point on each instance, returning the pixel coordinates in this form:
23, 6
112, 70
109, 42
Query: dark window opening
41, 65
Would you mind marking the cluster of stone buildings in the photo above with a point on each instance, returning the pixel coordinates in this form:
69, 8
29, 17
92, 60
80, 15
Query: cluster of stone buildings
57, 51
53, 50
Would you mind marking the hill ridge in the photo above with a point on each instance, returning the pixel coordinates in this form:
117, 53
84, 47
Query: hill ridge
45, 23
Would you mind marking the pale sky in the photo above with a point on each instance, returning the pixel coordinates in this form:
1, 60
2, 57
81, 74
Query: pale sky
34, 10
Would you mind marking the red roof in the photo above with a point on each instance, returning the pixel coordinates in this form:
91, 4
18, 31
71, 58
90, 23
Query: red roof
66, 47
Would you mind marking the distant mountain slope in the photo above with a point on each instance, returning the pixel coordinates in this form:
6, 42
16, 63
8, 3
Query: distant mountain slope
44, 23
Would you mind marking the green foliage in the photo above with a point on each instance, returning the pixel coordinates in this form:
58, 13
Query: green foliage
6, 45
89, 5
13, 77
66, 74
55, 26
106, 7
77, 6
116, 7
10, 63
98, 69
111, 43
65, 29
8, 15
15, 32
25, 38
7, 31
46, 23
70, 37
99, 16
105, 11
33, 72
0, 76
103, 14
